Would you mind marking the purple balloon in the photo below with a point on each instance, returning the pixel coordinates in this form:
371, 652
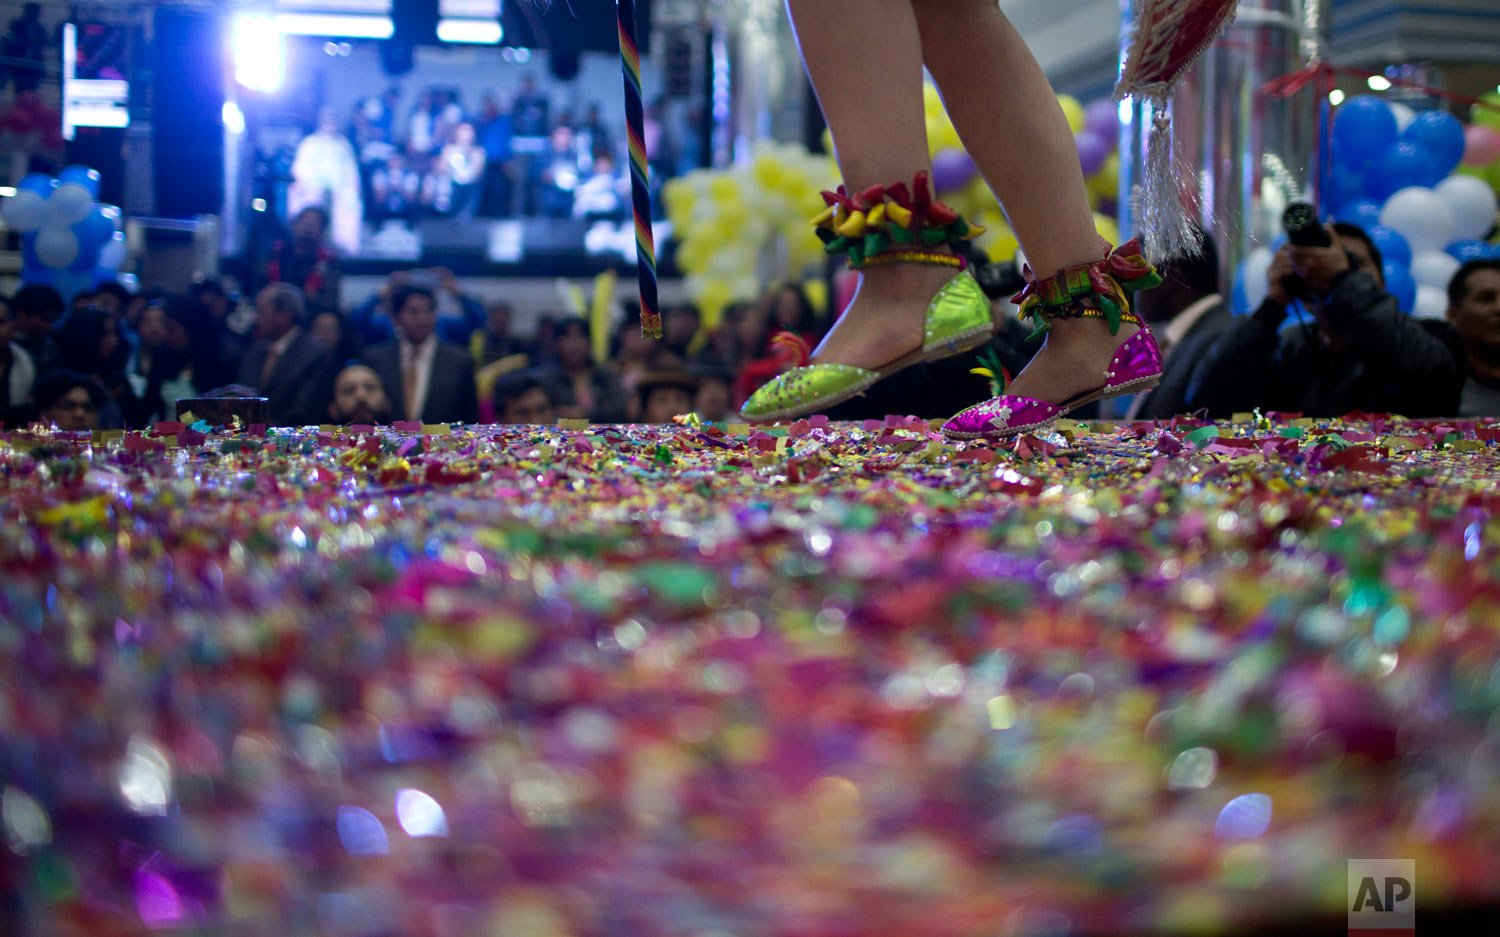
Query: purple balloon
952, 169
1102, 117
1093, 150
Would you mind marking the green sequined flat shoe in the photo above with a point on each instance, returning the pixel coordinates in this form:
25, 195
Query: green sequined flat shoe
882, 225
958, 319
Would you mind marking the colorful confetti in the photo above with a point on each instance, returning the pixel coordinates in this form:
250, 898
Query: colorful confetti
819, 679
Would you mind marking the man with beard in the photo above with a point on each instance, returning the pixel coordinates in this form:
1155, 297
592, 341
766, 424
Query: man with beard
358, 397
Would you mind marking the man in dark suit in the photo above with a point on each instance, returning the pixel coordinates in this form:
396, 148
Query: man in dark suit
289, 367
424, 379
1187, 314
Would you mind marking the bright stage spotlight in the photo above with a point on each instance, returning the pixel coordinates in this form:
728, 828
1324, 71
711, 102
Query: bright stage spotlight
338, 25
234, 118
478, 32
258, 57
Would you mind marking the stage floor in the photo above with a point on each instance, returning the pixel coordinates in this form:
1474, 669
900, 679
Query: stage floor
820, 680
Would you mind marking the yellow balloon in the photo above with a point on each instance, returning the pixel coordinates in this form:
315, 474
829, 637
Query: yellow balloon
1107, 228
723, 188
691, 256
942, 136
1073, 111
816, 291
982, 199
712, 298
998, 243
932, 102
1106, 182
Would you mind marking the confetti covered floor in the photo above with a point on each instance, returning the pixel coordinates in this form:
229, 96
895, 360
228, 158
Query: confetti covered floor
826, 680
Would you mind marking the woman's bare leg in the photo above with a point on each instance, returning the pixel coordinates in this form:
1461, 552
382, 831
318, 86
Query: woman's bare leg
865, 61
1008, 117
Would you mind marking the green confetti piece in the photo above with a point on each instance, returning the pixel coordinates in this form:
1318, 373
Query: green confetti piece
679, 583
1200, 436
1293, 432
1392, 626
53, 877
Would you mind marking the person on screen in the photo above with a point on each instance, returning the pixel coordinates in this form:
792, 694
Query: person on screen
325, 172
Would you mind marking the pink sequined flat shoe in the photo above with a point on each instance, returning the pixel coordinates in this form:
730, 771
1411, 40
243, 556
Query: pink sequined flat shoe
1136, 366
1097, 290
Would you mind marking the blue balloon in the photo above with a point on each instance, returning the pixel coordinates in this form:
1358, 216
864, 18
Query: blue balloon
1364, 214
1464, 251
38, 182
1363, 126
1441, 135
1393, 247
1398, 283
98, 227
1344, 186
1399, 166
89, 178
86, 261
34, 272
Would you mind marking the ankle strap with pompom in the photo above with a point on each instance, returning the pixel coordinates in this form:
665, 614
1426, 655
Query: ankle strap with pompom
868, 224
1097, 290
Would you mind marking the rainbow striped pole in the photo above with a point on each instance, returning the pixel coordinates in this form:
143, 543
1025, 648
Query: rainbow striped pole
640, 188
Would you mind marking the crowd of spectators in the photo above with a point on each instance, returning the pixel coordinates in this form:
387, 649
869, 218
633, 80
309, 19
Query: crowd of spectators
441, 157
1327, 340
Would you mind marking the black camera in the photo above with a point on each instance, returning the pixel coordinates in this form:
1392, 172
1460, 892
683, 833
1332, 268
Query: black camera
1300, 222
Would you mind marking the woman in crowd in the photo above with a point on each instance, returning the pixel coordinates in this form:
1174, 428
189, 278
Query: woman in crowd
577, 386
88, 342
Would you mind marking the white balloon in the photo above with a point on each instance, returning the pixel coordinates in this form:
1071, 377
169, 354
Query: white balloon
1421, 216
70, 203
1473, 204
1404, 115
113, 254
1257, 265
1433, 268
24, 211
56, 246
1432, 303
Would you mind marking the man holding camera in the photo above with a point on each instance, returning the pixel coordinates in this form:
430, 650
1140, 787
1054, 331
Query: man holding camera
1360, 353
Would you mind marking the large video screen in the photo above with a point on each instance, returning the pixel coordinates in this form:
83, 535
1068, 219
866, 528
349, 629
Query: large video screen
95, 77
